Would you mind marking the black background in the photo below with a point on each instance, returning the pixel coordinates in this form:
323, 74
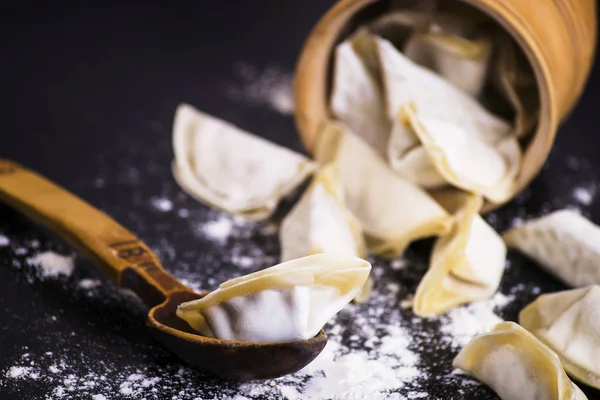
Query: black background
88, 93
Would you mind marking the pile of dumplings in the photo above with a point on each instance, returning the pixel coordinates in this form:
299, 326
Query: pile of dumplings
408, 122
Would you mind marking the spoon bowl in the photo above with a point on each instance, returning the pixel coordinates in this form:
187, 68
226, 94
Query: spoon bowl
131, 264
228, 358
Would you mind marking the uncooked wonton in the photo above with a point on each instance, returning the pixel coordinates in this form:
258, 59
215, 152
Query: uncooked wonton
232, 170
292, 300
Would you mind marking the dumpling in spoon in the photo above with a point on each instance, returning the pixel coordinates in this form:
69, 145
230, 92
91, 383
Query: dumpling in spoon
466, 264
357, 96
563, 242
292, 300
465, 159
392, 211
230, 169
568, 323
516, 365
463, 62
321, 223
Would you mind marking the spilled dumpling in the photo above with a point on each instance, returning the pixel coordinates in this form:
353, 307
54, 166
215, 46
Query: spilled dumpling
357, 96
563, 242
455, 131
466, 264
392, 211
321, 223
292, 300
569, 323
516, 365
230, 169
463, 158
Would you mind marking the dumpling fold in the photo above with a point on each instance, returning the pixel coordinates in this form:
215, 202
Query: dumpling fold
516, 365
569, 323
463, 158
230, 169
321, 223
454, 131
466, 264
289, 301
392, 211
357, 98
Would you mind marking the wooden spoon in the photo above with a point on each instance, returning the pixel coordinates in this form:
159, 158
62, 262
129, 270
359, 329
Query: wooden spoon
130, 263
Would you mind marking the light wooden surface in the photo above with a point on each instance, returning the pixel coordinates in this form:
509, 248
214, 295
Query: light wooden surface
558, 37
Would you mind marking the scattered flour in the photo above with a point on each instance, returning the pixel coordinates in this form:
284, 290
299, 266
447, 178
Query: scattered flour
377, 364
162, 204
399, 263
583, 195
52, 265
271, 87
183, 212
220, 229
4, 241
244, 261
18, 372
462, 323
89, 283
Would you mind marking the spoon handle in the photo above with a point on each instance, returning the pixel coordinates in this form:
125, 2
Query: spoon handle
118, 252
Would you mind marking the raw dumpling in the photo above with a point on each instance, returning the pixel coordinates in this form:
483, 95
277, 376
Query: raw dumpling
464, 158
405, 82
456, 131
569, 323
517, 83
320, 222
466, 264
292, 300
357, 96
564, 243
230, 169
516, 365
408, 158
463, 62
392, 211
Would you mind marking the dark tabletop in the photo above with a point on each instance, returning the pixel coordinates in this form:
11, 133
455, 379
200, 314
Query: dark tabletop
88, 95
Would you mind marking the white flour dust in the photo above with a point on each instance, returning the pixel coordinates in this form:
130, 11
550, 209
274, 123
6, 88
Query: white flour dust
51, 265
162, 204
4, 241
88, 284
462, 323
583, 195
219, 229
271, 87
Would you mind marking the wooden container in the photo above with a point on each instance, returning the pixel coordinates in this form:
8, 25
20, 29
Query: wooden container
557, 36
